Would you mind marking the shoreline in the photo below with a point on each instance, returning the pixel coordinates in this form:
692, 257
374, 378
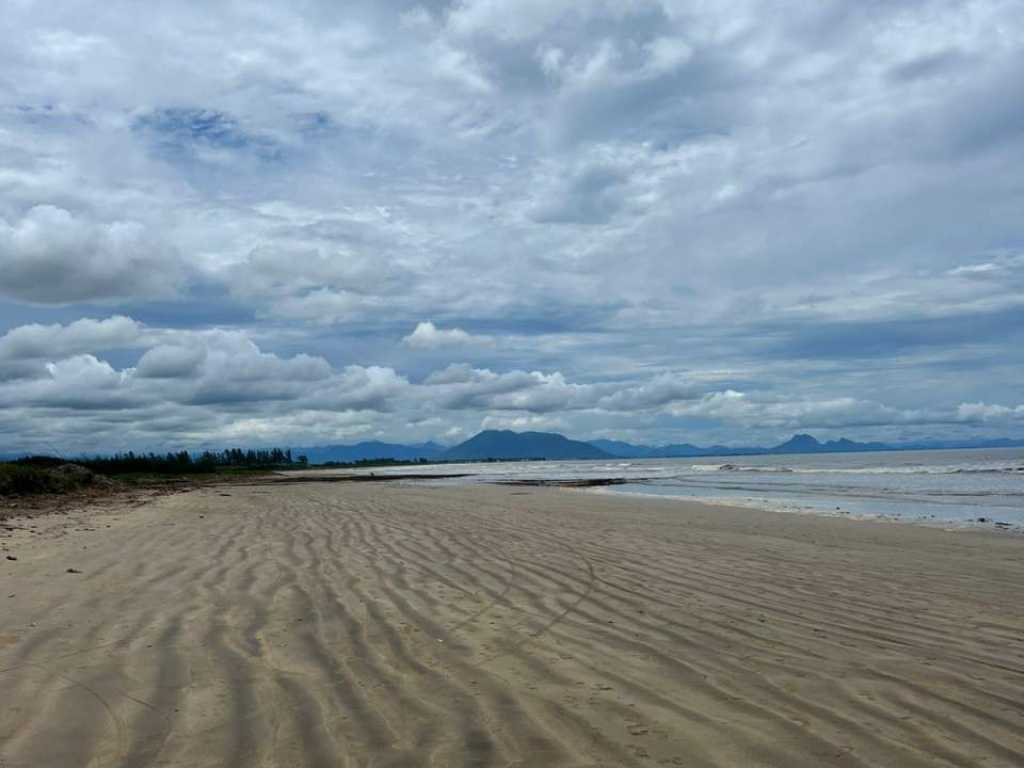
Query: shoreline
764, 505
956, 489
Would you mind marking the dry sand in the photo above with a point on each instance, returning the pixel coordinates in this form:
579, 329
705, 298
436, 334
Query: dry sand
385, 625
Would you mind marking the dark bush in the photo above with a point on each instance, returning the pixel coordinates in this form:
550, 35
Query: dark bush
25, 479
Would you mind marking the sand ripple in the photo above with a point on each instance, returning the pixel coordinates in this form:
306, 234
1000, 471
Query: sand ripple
362, 625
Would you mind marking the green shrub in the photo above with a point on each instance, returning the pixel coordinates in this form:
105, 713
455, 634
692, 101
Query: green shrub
26, 479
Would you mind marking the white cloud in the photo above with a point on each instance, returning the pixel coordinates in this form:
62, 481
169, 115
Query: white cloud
426, 335
35, 341
324, 307
461, 387
753, 412
373, 388
51, 256
1001, 267
664, 389
524, 423
667, 53
195, 386
80, 383
234, 369
984, 412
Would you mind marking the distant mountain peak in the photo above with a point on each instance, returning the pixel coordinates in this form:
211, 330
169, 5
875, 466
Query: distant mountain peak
798, 443
506, 444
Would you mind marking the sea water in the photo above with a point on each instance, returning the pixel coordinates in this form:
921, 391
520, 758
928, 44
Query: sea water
975, 487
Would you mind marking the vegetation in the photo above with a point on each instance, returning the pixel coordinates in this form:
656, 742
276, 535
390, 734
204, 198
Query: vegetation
378, 463
48, 474
174, 463
25, 479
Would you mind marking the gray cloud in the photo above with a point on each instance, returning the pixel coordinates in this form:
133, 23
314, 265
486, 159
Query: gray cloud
593, 196
33, 342
226, 384
50, 256
170, 362
929, 65
631, 209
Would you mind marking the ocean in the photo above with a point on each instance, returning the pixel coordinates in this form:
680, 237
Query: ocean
950, 487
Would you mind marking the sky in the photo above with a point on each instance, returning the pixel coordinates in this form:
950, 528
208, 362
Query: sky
313, 222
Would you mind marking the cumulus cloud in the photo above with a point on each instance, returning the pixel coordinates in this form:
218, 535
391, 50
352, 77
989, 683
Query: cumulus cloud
426, 335
461, 387
203, 385
26, 350
984, 412
373, 388
663, 389
234, 370
36, 341
170, 362
221, 378
52, 256
80, 383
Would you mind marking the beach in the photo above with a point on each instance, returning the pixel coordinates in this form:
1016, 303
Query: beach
391, 624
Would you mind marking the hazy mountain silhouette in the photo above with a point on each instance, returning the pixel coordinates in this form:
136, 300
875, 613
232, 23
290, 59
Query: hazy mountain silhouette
505, 444
800, 443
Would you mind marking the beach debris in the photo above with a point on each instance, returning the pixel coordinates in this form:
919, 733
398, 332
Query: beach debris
73, 570
11, 557
637, 729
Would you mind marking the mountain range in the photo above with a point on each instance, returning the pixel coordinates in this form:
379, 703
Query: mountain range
505, 444
797, 444
489, 444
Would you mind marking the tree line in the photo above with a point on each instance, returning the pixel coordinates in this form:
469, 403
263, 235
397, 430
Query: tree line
176, 462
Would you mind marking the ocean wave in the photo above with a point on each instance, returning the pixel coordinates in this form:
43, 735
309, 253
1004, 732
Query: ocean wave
905, 470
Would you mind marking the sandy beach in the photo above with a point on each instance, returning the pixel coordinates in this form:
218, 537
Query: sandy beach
378, 624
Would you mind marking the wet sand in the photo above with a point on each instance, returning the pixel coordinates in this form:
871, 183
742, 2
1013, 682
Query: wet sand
387, 625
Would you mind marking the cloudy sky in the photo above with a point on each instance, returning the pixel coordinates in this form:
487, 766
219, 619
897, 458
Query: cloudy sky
311, 222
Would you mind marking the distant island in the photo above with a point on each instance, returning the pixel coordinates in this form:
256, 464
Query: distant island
509, 445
